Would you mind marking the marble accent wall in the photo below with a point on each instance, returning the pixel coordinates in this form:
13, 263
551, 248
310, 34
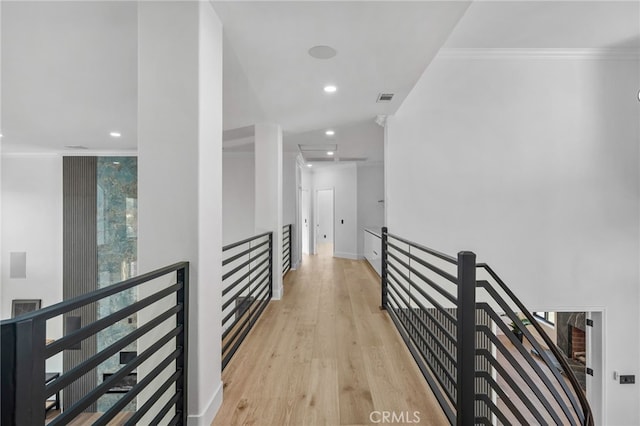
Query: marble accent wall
117, 201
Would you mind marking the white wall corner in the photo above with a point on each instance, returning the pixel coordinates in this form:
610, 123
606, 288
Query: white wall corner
206, 417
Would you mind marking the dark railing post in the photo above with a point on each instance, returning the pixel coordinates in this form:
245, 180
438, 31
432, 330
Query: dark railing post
182, 298
466, 339
290, 245
271, 251
383, 265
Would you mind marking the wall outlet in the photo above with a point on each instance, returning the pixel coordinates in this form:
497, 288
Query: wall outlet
627, 379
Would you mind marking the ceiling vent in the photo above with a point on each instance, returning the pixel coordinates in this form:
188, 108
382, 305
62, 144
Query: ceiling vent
75, 147
385, 97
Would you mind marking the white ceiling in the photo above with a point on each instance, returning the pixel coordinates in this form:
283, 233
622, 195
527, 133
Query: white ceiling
69, 73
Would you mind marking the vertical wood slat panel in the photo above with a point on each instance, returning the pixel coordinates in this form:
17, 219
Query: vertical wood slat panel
80, 257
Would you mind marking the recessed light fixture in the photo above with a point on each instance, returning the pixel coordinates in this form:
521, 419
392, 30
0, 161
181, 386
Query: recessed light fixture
330, 132
329, 152
117, 163
330, 88
115, 134
322, 52
0, 135
309, 165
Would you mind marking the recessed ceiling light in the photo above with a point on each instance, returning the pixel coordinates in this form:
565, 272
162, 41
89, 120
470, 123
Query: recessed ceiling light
330, 133
0, 135
322, 52
330, 88
115, 134
329, 152
117, 163
309, 165
75, 147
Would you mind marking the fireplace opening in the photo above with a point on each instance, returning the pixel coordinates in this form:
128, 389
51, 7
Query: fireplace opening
577, 344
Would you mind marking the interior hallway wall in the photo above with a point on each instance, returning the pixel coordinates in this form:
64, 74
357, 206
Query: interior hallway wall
30, 182
531, 161
370, 195
238, 196
343, 179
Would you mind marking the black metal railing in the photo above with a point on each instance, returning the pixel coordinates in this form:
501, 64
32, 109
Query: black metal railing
161, 338
287, 248
459, 321
247, 281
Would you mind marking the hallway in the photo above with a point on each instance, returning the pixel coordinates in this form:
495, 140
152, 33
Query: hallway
325, 355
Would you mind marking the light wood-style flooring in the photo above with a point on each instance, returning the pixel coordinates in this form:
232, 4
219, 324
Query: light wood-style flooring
325, 355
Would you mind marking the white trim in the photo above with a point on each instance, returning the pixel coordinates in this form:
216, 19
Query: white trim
277, 293
540, 53
207, 416
70, 153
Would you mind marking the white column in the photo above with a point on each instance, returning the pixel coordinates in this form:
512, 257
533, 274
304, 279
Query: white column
180, 173
268, 206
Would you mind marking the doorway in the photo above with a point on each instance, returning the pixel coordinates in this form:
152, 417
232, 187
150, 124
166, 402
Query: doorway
324, 237
305, 219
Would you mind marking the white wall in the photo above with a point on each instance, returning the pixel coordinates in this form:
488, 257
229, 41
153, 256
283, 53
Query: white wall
180, 173
370, 192
531, 161
238, 196
343, 178
32, 222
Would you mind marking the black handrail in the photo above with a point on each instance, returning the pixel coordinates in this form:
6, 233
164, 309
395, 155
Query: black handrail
247, 282
24, 353
287, 248
450, 337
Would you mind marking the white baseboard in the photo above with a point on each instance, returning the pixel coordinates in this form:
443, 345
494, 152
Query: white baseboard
206, 418
345, 255
277, 294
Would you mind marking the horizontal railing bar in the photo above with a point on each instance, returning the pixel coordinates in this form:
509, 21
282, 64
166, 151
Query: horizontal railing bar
483, 375
512, 384
137, 388
165, 409
372, 233
512, 316
433, 252
244, 253
245, 241
482, 421
235, 347
586, 416
493, 408
102, 388
437, 307
447, 276
516, 366
91, 329
97, 359
242, 278
443, 398
235, 335
245, 264
431, 365
237, 307
451, 298
424, 294
79, 301
525, 354
151, 401
258, 275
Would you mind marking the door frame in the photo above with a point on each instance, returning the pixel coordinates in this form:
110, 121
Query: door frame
316, 216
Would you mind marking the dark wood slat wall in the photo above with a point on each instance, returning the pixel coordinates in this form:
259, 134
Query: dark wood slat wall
80, 261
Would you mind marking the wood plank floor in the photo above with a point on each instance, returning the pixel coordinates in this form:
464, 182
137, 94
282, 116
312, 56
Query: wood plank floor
325, 355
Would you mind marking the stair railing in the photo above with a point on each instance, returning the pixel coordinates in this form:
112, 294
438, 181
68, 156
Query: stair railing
287, 248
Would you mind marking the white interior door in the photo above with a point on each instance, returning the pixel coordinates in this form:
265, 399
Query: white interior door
325, 217
305, 219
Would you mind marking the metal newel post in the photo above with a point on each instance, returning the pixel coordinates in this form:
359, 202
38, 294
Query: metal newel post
290, 245
271, 251
384, 268
466, 337
182, 297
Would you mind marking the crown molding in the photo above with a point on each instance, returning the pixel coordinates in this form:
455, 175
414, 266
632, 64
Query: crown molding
540, 53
